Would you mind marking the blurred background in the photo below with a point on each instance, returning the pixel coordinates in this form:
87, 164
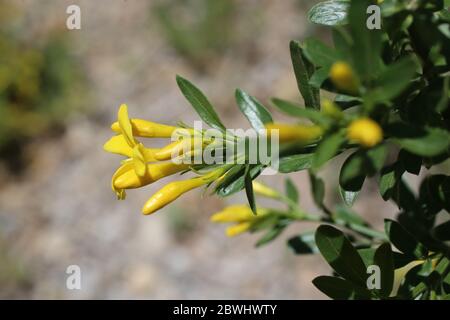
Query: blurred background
59, 91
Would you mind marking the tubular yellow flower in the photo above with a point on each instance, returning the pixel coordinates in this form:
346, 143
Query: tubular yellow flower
237, 213
237, 229
365, 131
173, 190
291, 133
144, 128
264, 190
118, 144
129, 179
342, 76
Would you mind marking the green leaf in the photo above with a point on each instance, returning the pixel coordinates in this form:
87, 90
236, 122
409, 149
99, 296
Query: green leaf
303, 243
426, 142
317, 189
341, 255
353, 173
328, 148
318, 53
403, 240
271, 235
291, 190
392, 81
389, 180
295, 110
253, 110
384, 260
360, 164
295, 163
337, 288
329, 13
249, 189
200, 103
303, 70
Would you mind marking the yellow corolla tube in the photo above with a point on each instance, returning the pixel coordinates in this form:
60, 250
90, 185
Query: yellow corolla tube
127, 178
237, 229
365, 132
242, 217
295, 133
173, 190
343, 77
236, 213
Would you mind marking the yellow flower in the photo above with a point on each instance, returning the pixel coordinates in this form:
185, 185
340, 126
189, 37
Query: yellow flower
365, 131
126, 143
127, 178
264, 190
298, 133
342, 76
242, 217
118, 144
173, 190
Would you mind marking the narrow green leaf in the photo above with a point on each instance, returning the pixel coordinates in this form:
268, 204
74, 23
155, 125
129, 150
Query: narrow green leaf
349, 197
428, 142
303, 70
253, 110
317, 189
249, 189
200, 103
295, 163
327, 149
318, 53
291, 190
295, 110
271, 235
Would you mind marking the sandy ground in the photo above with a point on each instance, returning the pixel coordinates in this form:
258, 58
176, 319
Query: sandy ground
61, 211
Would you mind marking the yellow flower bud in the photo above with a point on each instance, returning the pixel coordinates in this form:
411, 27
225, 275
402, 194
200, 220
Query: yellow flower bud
330, 109
365, 131
297, 133
342, 76
238, 229
173, 190
264, 190
237, 213
129, 179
